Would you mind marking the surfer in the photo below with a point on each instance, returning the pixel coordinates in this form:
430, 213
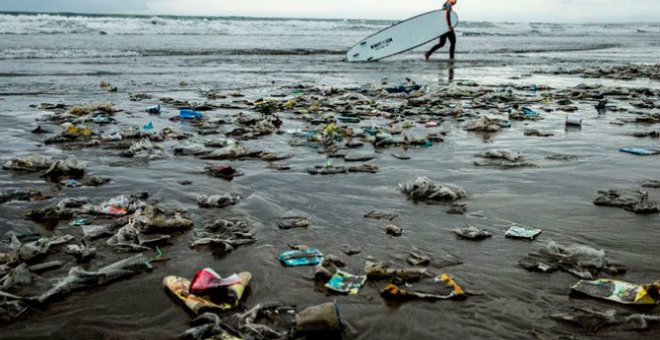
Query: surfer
449, 35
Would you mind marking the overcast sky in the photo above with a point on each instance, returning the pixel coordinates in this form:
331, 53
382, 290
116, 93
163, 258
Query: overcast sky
471, 10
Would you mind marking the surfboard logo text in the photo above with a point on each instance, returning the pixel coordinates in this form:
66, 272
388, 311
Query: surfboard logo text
382, 44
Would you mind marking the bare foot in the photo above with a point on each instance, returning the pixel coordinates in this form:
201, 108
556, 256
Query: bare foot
426, 56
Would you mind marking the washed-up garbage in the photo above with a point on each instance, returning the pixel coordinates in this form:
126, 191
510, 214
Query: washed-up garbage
378, 271
17, 251
619, 291
393, 230
91, 108
190, 114
191, 149
423, 189
224, 235
218, 201
580, 260
230, 298
61, 210
378, 215
11, 306
503, 159
93, 232
18, 276
271, 321
222, 171
638, 204
21, 195
417, 259
232, 151
472, 233
537, 133
401, 156
521, 232
71, 133
120, 205
80, 279
154, 110
641, 151
483, 124
323, 318
327, 170
70, 168
593, 320
46, 266
355, 157
80, 221
32, 163
392, 291
350, 251
152, 219
364, 168
302, 257
207, 326
292, 222
81, 252
346, 283
524, 114
129, 238
144, 149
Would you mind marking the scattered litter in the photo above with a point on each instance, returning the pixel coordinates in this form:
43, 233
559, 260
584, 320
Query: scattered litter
423, 189
230, 296
304, 257
520, 232
393, 230
619, 291
218, 201
472, 233
346, 283
292, 222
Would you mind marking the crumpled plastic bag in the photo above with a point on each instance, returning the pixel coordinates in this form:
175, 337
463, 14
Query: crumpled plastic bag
224, 235
424, 189
31, 163
79, 279
70, 168
152, 219
218, 201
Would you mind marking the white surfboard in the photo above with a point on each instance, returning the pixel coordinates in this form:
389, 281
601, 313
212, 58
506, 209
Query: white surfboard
402, 37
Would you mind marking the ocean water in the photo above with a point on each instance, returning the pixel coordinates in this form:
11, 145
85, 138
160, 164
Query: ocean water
62, 58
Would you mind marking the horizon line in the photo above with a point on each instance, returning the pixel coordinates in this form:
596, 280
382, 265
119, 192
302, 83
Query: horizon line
296, 18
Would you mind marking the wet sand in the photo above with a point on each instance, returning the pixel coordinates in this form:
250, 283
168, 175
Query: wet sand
555, 196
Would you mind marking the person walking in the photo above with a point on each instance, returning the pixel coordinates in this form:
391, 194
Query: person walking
451, 36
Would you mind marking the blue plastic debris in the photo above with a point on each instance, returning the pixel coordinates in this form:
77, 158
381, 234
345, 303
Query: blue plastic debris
149, 126
305, 257
641, 151
189, 114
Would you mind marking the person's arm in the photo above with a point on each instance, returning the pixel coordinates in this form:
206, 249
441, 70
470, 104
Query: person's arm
448, 16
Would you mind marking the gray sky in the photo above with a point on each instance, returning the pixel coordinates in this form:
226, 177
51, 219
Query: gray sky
471, 10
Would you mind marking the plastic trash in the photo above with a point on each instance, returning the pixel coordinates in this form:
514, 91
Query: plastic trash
573, 121
149, 126
291, 222
304, 257
520, 232
321, 318
641, 151
392, 291
80, 221
423, 188
189, 114
180, 288
209, 283
346, 283
619, 291
472, 233
154, 110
